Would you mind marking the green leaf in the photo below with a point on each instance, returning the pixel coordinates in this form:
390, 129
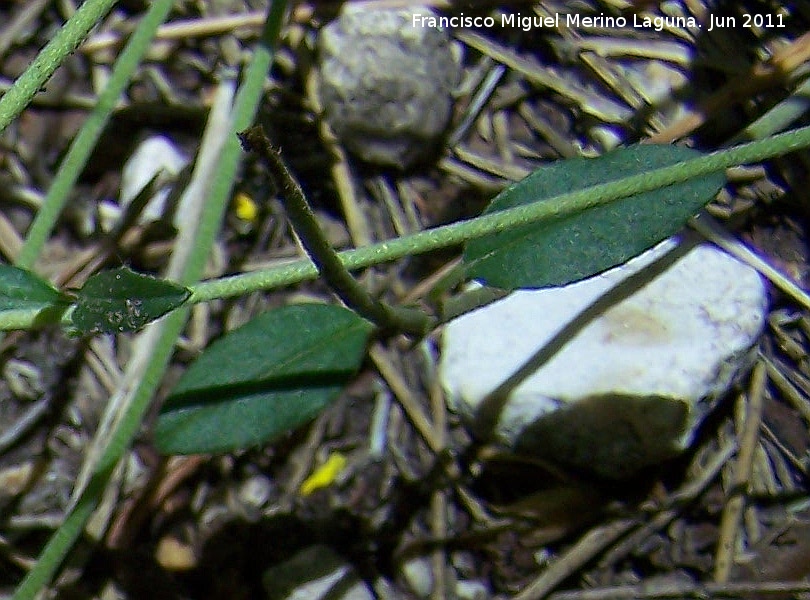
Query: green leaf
575, 247
122, 300
22, 290
262, 380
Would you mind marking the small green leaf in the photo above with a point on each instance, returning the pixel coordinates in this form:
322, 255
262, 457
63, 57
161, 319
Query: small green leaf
22, 290
262, 380
122, 300
569, 249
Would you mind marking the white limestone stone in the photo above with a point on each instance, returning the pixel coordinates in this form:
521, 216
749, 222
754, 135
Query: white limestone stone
632, 384
156, 155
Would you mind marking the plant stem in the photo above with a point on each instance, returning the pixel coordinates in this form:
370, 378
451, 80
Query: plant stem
82, 146
64, 43
244, 110
441, 237
550, 209
60, 543
326, 260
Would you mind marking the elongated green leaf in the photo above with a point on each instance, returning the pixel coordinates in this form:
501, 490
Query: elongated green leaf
22, 290
576, 247
262, 380
122, 300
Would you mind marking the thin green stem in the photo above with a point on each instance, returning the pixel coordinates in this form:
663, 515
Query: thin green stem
62, 540
780, 117
244, 113
550, 209
245, 107
325, 258
457, 233
82, 146
62, 45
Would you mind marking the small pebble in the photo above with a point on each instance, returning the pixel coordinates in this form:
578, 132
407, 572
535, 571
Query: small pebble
157, 154
419, 576
174, 555
385, 86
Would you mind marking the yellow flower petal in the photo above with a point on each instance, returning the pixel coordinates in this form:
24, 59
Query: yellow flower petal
245, 207
324, 475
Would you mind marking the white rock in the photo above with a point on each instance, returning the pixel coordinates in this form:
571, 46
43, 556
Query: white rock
472, 590
386, 86
631, 386
314, 574
419, 575
154, 155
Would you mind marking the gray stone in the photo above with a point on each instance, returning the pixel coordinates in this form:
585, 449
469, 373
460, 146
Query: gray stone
631, 386
386, 86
